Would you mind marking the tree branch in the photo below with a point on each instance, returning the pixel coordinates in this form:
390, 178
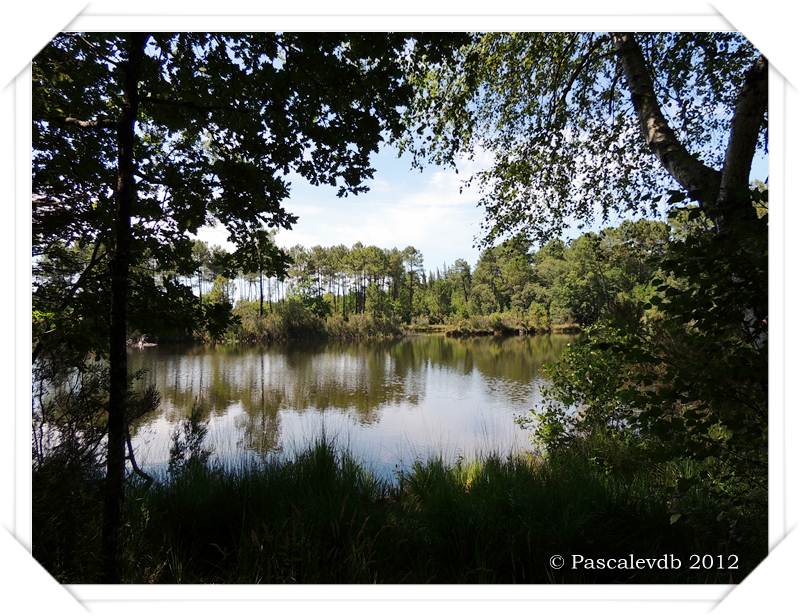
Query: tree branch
95, 49
136, 468
193, 105
93, 260
70, 121
748, 117
590, 49
701, 182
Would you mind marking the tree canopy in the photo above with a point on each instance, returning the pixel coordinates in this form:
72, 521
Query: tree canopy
580, 124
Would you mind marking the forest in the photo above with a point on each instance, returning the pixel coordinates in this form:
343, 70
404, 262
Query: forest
512, 288
647, 432
365, 291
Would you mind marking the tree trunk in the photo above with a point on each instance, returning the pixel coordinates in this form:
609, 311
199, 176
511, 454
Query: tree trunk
410, 295
734, 199
260, 293
120, 264
725, 194
699, 180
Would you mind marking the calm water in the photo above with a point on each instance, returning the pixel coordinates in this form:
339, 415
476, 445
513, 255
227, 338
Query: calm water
388, 402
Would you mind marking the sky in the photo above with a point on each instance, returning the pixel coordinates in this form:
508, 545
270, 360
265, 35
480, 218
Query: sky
403, 207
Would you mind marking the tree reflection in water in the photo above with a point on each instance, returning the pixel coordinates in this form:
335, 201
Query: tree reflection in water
388, 401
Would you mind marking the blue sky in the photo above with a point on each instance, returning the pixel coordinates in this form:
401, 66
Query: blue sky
403, 207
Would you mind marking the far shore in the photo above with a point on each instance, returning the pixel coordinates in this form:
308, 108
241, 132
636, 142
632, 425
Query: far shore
441, 329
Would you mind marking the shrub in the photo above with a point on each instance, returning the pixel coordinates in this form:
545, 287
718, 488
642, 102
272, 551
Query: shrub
538, 319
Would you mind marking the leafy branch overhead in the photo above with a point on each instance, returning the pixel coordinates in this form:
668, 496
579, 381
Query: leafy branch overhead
568, 120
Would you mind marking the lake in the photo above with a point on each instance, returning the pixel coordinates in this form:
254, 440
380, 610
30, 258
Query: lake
388, 402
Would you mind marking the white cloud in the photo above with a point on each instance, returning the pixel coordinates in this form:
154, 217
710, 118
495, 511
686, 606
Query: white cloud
431, 211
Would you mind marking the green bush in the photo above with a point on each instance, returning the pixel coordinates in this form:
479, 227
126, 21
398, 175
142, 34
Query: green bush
361, 326
538, 320
289, 319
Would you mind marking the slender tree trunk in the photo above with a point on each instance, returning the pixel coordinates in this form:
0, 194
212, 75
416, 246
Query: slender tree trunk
410, 294
260, 293
120, 264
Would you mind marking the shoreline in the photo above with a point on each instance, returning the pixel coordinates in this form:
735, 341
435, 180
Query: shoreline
447, 331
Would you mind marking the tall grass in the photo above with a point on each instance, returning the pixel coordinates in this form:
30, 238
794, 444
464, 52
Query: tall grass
322, 518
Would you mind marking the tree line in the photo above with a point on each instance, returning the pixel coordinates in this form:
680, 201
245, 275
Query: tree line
560, 284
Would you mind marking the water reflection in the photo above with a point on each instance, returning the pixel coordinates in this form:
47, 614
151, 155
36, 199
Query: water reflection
389, 401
